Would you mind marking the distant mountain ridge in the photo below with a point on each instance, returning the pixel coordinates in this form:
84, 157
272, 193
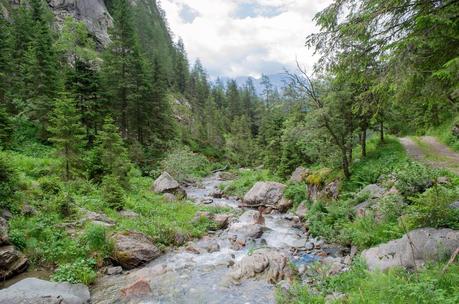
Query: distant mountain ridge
277, 80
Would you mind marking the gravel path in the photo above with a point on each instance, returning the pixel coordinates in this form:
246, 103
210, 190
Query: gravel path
429, 150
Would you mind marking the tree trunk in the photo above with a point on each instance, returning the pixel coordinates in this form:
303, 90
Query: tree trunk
381, 130
346, 171
363, 142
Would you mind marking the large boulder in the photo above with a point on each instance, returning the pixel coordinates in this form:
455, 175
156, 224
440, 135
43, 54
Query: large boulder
133, 249
299, 175
3, 231
35, 291
12, 262
264, 194
240, 234
165, 183
413, 249
372, 191
269, 264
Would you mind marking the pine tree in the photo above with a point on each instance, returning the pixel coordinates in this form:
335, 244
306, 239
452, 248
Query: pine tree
120, 66
41, 74
6, 67
181, 67
67, 134
111, 153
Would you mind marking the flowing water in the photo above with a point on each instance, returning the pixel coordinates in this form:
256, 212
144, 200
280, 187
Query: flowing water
182, 276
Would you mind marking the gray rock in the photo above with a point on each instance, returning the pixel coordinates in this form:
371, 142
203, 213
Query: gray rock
269, 264
284, 204
309, 246
132, 249
128, 214
114, 270
95, 218
372, 191
299, 174
239, 233
12, 262
264, 194
35, 291
454, 205
301, 211
413, 249
361, 209
3, 232
169, 197
222, 220
206, 201
165, 183
93, 13
6, 214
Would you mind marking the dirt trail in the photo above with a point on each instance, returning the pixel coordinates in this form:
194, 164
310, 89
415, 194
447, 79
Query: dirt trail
429, 150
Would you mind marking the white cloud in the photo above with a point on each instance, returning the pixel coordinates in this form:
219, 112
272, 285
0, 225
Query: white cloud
265, 39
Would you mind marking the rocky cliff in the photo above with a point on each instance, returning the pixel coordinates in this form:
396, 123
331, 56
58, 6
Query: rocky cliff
93, 13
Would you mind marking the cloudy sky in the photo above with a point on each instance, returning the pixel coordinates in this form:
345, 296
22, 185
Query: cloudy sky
244, 37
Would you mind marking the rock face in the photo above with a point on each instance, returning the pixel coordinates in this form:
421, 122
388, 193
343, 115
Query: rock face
299, 175
266, 263
93, 13
35, 291
12, 262
264, 194
413, 249
132, 249
3, 231
165, 183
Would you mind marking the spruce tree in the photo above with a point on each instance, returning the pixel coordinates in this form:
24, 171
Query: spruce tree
67, 134
41, 73
5, 60
111, 153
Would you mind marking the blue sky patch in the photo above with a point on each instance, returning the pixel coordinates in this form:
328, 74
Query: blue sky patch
252, 10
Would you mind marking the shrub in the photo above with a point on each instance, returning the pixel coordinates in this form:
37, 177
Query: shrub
50, 185
431, 209
413, 178
183, 164
297, 192
80, 271
8, 182
95, 239
112, 192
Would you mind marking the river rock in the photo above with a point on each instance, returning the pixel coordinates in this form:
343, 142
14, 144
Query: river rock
239, 234
35, 291
264, 194
222, 220
284, 204
132, 249
169, 197
299, 175
269, 264
165, 183
302, 210
3, 232
12, 262
138, 289
454, 205
427, 244
114, 270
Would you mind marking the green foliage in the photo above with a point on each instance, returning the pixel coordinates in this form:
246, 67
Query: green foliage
8, 182
50, 185
413, 178
67, 134
80, 271
185, 165
429, 285
431, 209
6, 128
382, 159
95, 238
297, 192
112, 192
